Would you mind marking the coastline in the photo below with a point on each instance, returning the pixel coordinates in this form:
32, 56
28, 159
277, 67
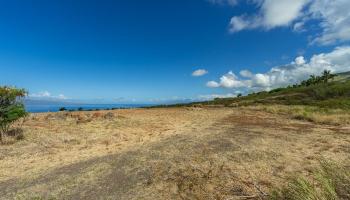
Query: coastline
83, 107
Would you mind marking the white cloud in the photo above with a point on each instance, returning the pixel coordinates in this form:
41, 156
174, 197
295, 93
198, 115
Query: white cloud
335, 20
41, 94
246, 74
273, 13
47, 95
299, 27
230, 80
199, 72
213, 84
239, 23
331, 16
337, 61
300, 60
61, 96
281, 12
261, 80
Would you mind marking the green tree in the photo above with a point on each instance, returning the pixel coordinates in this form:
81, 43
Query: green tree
313, 80
326, 75
11, 108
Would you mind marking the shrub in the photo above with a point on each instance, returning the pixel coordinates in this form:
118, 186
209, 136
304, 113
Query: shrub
15, 132
20, 136
276, 90
62, 109
11, 108
109, 115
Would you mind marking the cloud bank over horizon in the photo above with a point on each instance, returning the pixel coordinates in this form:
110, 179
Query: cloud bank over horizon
300, 69
48, 96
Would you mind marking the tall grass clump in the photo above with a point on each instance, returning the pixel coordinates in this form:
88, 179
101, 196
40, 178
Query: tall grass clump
330, 181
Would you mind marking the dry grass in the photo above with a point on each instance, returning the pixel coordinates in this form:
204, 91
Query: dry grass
257, 153
171, 153
58, 139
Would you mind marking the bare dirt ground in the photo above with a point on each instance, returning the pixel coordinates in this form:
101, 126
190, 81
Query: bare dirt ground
169, 153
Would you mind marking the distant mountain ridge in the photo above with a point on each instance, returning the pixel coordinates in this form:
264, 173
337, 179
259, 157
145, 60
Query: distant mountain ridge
344, 73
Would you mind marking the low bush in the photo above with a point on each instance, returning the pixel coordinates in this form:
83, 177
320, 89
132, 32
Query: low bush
62, 109
16, 133
20, 136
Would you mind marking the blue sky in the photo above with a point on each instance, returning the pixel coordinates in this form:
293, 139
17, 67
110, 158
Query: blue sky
146, 51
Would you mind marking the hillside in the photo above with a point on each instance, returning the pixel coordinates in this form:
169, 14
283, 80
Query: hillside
334, 94
345, 76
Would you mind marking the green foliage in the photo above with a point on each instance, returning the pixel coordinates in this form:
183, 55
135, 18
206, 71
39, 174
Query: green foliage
11, 108
314, 80
276, 90
330, 182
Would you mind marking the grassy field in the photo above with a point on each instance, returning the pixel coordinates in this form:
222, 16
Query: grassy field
168, 153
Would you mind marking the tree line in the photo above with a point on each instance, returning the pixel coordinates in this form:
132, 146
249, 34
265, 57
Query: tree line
315, 80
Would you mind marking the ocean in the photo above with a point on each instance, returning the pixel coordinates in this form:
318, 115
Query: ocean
55, 108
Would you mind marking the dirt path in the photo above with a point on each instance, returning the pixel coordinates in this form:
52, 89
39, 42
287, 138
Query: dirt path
241, 154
